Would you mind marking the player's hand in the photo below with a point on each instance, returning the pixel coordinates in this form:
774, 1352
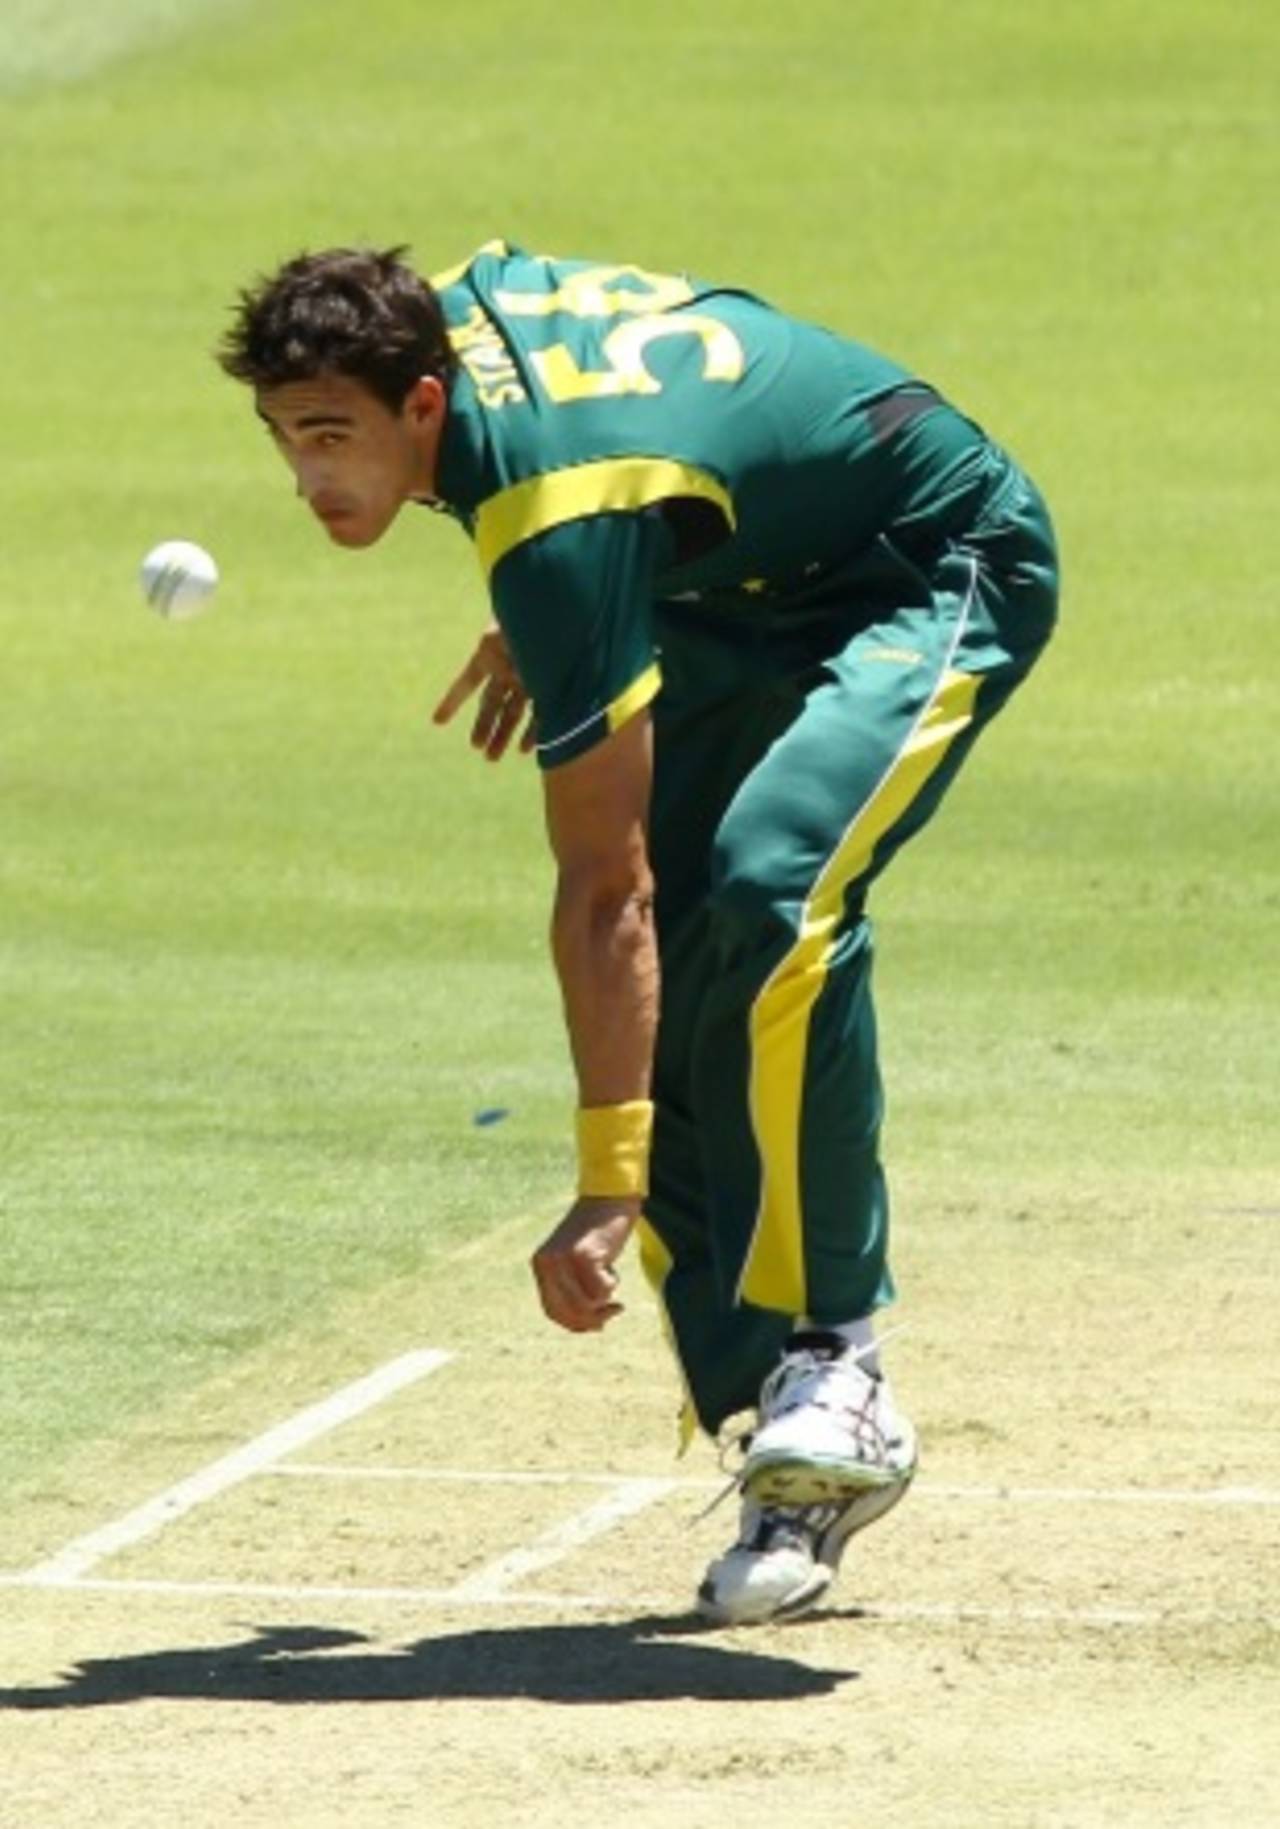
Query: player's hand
503, 700
573, 1267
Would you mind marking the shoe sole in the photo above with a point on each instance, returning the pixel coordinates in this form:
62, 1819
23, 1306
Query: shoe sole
876, 1501
783, 1480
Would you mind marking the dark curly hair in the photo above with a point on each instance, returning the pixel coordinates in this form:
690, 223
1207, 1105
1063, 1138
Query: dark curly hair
348, 311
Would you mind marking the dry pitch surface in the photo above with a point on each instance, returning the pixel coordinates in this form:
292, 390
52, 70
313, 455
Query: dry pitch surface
465, 1600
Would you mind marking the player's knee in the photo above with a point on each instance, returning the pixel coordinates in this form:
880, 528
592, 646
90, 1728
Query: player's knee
748, 902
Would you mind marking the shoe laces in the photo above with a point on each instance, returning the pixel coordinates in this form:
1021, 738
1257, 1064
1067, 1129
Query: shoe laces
819, 1374
772, 1527
734, 1441
739, 1440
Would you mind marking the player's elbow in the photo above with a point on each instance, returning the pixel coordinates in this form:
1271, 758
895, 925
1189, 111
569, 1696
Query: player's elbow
604, 907
605, 893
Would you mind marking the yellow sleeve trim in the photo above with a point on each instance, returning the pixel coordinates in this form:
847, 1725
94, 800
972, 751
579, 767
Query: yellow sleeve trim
452, 275
635, 698
610, 485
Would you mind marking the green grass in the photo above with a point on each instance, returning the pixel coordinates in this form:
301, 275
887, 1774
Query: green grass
268, 942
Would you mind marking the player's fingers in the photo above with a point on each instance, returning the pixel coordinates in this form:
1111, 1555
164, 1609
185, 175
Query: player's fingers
480, 727
574, 1296
597, 1281
489, 715
457, 694
505, 726
582, 1320
594, 1296
561, 1302
595, 1320
498, 717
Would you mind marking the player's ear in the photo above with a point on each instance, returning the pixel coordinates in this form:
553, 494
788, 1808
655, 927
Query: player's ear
425, 401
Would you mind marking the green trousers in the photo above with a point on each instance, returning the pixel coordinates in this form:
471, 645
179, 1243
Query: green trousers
796, 749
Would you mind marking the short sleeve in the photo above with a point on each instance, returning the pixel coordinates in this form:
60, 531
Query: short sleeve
575, 605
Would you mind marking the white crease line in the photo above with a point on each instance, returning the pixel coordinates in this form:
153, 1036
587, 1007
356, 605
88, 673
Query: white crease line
960, 1613
284, 1590
482, 1476
870, 1613
255, 1457
1099, 1495
1046, 1495
496, 1578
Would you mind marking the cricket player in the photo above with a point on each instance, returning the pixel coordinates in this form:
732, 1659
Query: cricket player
762, 589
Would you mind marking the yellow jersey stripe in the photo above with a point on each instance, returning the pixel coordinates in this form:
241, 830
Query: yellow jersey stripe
773, 1275
607, 485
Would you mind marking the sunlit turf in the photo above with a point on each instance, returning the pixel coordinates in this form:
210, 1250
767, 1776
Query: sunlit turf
269, 942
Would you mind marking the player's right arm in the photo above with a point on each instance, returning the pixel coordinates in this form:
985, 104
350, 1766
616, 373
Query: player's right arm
606, 958
574, 605
602, 937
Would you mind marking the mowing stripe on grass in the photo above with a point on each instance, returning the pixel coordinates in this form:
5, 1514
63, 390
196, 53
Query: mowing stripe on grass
52, 41
76, 1560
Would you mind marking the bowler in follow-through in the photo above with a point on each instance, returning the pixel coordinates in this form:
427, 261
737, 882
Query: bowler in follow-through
761, 589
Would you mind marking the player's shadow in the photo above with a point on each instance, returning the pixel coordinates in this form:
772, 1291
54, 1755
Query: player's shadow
643, 1660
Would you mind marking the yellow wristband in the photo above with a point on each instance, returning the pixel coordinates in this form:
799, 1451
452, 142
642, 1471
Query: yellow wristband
613, 1148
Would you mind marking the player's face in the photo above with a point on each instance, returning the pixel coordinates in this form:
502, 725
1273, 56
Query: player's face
355, 460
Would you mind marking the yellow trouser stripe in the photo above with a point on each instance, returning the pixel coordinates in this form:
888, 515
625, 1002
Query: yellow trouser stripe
773, 1275
656, 1261
610, 484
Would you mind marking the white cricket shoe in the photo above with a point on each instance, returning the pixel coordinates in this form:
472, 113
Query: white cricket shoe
828, 1429
830, 1455
786, 1557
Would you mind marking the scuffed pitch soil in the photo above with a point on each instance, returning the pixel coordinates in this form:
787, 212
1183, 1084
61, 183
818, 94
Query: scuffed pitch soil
990, 1657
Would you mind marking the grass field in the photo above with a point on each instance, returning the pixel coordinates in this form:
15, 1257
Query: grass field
269, 944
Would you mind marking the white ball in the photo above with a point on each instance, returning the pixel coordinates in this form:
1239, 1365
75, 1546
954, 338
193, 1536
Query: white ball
178, 578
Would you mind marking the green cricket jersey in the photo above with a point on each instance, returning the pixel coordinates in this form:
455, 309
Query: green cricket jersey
617, 437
